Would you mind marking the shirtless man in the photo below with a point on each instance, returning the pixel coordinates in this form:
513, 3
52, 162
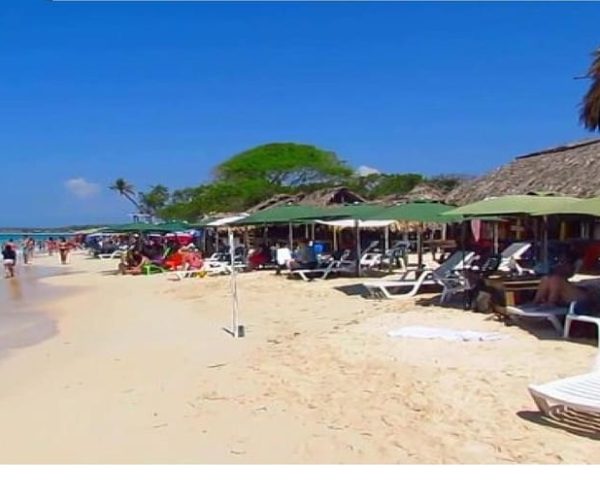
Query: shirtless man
556, 289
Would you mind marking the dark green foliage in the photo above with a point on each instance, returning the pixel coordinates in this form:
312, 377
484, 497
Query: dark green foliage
125, 189
258, 173
284, 164
447, 182
154, 200
590, 106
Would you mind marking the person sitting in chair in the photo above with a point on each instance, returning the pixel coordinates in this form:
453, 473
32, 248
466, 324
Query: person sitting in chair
133, 263
556, 289
305, 257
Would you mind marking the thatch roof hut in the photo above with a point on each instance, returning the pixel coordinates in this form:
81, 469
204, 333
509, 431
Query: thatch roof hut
572, 169
275, 201
331, 196
424, 191
318, 198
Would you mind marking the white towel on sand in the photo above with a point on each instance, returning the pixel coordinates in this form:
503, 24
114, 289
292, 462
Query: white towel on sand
426, 332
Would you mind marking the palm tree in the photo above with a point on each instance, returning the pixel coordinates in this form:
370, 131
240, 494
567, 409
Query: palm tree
590, 106
125, 189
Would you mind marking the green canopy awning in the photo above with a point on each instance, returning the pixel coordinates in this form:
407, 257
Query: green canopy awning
133, 227
174, 226
359, 211
416, 212
282, 215
590, 206
512, 205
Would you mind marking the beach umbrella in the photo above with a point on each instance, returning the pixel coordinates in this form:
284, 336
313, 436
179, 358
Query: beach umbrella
87, 232
362, 211
418, 211
133, 227
227, 221
281, 215
529, 204
174, 226
590, 206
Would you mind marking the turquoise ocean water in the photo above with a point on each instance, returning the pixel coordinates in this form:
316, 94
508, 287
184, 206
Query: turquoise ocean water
23, 323
18, 237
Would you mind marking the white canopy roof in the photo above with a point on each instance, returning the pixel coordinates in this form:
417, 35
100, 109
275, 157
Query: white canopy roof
227, 220
361, 223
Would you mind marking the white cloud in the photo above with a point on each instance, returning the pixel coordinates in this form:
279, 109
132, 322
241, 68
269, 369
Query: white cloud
365, 170
82, 188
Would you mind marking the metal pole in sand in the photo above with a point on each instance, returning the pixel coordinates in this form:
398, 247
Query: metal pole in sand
386, 244
237, 330
420, 246
357, 235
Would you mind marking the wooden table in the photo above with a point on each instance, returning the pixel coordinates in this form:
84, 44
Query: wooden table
510, 291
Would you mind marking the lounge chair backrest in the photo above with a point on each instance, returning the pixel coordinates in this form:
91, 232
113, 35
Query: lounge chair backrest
515, 250
370, 247
345, 255
457, 260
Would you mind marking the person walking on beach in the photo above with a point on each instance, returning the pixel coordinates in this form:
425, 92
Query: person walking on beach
9, 259
63, 250
50, 246
28, 248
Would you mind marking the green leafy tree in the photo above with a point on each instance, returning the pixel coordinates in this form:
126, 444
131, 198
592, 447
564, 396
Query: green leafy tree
284, 164
447, 182
155, 199
396, 184
125, 189
378, 185
590, 106
217, 197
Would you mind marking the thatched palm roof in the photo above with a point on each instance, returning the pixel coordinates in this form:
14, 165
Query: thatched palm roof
331, 196
318, 198
274, 201
572, 169
424, 191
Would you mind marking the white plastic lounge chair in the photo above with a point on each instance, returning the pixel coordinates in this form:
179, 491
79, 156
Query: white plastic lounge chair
581, 393
551, 314
220, 267
114, 255
372, 258
319, 272
186, 272
511, 255
384, 287
573, 316
452, 283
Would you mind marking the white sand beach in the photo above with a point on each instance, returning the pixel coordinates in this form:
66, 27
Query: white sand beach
140, 370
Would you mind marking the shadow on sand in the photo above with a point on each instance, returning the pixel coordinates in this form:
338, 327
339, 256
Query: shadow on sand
578, 423
352, 290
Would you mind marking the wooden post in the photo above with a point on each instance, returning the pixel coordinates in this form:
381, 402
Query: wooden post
495, 233
335, 242
545, 241
291, 235
386, 244
420, 246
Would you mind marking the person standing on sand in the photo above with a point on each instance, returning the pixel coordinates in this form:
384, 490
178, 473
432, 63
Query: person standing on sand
9, 259
29, 249
50, 246
63, 250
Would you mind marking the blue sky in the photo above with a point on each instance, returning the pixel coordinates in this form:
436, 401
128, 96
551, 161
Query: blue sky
163, 92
